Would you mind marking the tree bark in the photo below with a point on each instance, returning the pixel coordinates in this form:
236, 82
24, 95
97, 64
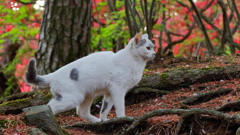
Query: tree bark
7, 56
65, 33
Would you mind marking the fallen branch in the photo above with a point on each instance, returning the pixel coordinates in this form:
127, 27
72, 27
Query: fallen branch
204, 97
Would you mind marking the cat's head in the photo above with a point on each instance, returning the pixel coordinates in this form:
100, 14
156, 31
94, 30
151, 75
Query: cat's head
142, 46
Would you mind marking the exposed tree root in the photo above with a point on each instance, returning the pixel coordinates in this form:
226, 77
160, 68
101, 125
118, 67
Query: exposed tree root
189, 119
231, 106
151, 84
105, 126
185, 77
180, 124
17, 96
142, 94
204, 97
33, 98
15, 103
186, 112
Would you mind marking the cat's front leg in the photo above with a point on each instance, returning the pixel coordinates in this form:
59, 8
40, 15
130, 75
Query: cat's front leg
107, 104
118, 98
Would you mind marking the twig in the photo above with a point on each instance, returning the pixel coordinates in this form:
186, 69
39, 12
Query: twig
226, 29
150, 19
211, 24
126, 6
26, 3
237, 13
181, 40
132, 11
146, 17
209, 44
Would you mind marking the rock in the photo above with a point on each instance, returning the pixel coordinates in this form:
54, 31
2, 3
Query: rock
238, 131
43, 118
36, 131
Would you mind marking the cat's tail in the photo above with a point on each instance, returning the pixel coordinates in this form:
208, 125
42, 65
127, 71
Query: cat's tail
31, 76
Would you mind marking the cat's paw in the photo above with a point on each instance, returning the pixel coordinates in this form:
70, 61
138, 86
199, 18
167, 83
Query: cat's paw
95, 120
104, 119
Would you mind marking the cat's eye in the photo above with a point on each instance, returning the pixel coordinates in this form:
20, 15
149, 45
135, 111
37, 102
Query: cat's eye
149, 48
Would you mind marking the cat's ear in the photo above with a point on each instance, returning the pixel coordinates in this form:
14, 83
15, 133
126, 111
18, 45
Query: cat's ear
145, 35
138, 37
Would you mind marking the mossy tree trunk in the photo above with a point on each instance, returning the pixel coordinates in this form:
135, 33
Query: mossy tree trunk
185, 77
64, 34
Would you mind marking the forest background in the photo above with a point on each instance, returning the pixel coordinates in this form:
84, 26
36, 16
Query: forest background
194, 28
191, 87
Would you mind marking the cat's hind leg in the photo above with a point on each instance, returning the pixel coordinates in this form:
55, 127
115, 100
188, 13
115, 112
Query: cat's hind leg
63, 101
107, 104
83, 110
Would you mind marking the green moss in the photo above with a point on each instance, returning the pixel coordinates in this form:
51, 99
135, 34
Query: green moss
208, 68
163, 75
2, 123
146, 75
179, 68
43, 94
15, 102
148, 90
163, 80
47, 95
97, 99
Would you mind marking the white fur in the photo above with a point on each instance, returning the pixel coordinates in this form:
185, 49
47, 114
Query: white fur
102, 73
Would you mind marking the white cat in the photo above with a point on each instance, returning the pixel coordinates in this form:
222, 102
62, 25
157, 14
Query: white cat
102, 73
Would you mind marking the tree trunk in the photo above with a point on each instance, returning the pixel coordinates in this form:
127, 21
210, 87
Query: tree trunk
7, 56
65, 33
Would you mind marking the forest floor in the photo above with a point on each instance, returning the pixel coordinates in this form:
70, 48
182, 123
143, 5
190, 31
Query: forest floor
164, 125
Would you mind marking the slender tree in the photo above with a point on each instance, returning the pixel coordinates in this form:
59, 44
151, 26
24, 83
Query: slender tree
64, 34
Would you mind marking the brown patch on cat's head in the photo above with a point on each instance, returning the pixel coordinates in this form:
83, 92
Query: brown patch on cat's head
138, 37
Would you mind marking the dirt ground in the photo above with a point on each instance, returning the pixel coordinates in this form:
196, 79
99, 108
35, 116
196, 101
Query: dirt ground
162, 125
